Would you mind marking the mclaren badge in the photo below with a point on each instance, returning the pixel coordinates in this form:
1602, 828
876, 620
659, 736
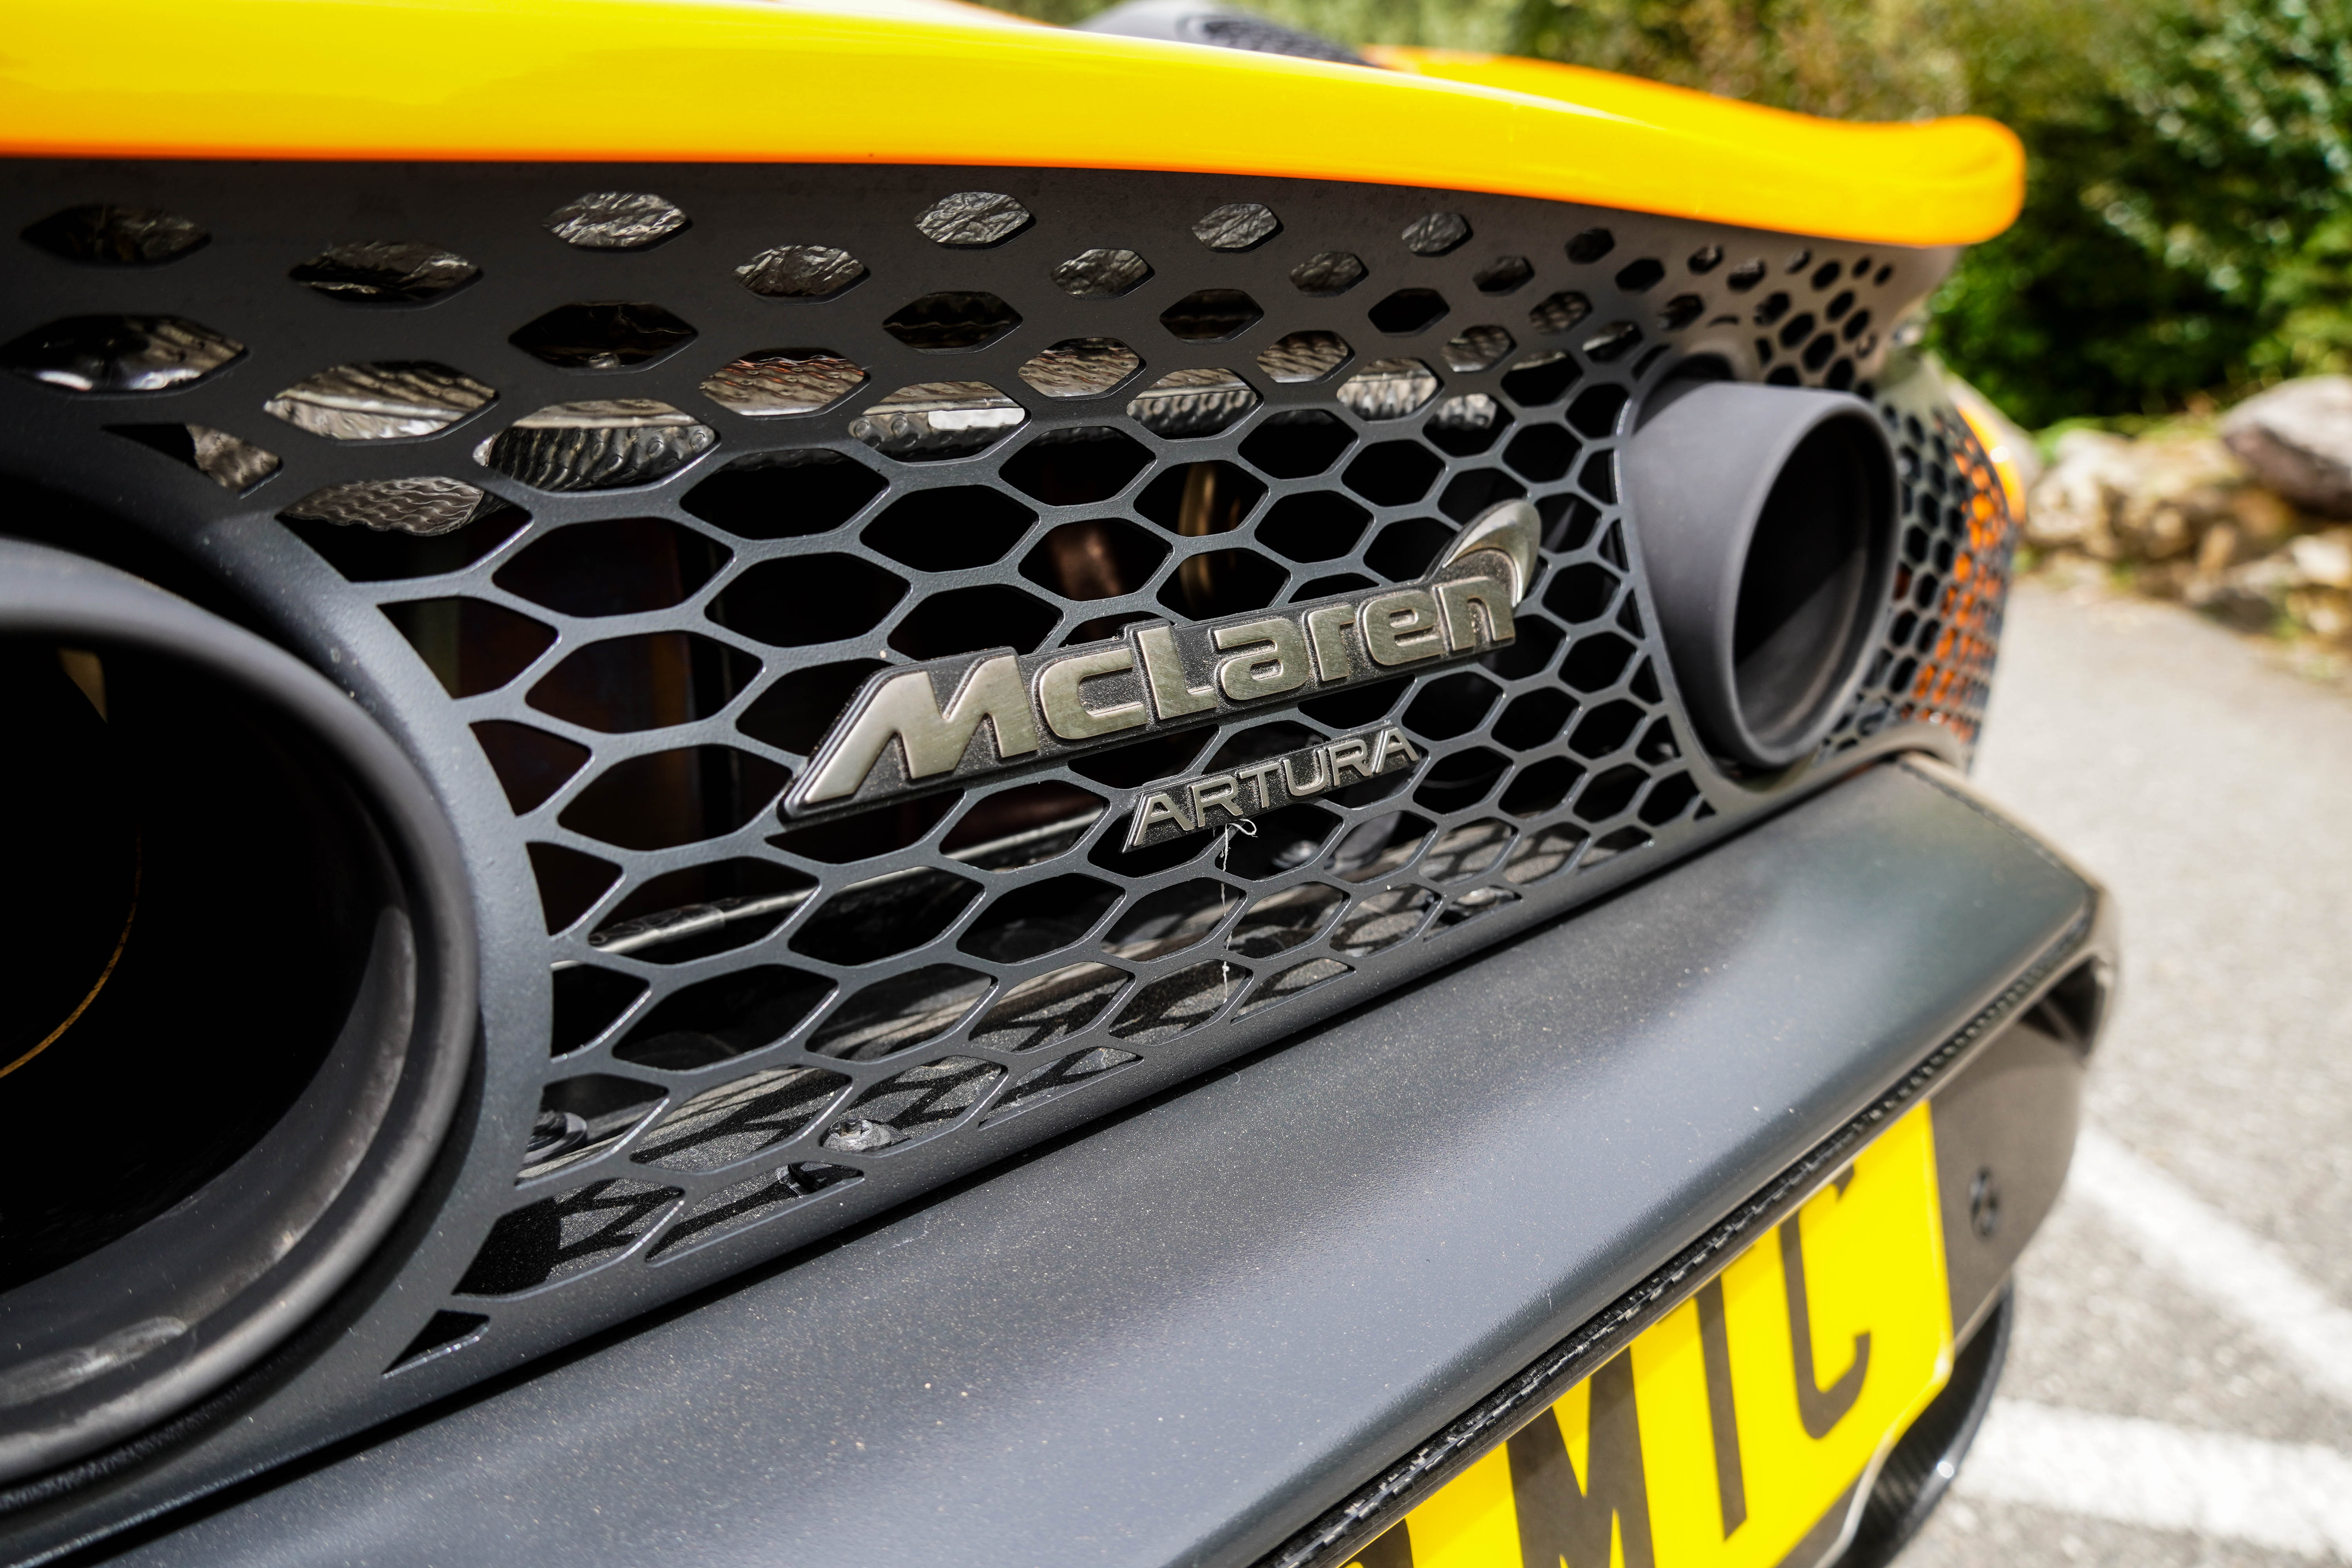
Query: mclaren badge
918, 727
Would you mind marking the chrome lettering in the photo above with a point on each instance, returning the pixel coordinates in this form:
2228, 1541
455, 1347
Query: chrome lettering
1390, 743
1043, 705
1327, 630
1157, 808
1351, 753
1401, 628
1220, 800
1273, 660
932, 739
1163, 673
1061, 694
1259, 773
1317, 783
1465, 601
1220, 791
1512, 529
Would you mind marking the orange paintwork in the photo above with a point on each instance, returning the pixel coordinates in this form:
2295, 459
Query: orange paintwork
1986, 425
928, 81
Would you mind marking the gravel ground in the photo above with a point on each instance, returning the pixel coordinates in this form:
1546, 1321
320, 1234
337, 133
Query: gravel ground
2210, 788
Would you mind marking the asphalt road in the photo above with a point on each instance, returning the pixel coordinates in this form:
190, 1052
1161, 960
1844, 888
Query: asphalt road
2179, 1388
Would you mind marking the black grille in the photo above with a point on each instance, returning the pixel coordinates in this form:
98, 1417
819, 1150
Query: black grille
650, 467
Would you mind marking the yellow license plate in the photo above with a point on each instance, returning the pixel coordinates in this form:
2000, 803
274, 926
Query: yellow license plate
1729, 1429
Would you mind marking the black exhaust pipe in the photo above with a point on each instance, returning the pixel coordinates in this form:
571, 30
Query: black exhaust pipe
1767, 523
242, 992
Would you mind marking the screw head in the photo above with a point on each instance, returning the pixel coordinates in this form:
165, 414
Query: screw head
1984, 1204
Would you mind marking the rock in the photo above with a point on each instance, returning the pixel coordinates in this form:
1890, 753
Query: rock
2297, 439
2071, 507
2114, 498
2258, 522
2240, 601
2187, 516
2308, 582
2263, 517
2323, 559
2185, 487
2236, 602
2223, 547
2323, 611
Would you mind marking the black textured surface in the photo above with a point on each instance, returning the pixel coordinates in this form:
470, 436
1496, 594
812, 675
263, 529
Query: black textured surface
1181, 1343
2003, 1141
1921, 1467
1531, 806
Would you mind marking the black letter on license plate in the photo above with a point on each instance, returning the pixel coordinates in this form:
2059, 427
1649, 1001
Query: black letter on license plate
1563, 1522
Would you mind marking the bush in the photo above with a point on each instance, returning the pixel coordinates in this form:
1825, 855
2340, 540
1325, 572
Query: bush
1862, 59
2185, 228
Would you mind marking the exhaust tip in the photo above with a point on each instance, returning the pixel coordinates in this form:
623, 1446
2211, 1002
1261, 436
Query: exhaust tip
246, 1002
1766, 516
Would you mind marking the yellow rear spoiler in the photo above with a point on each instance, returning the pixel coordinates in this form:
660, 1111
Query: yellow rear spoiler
921, 81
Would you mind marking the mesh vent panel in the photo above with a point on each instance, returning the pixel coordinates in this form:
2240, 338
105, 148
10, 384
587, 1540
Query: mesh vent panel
635, 490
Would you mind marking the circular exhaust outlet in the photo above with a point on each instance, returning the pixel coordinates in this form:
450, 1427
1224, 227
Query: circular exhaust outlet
241, 997
1766, 524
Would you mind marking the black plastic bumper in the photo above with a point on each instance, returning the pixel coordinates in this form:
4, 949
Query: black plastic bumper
1190, 1335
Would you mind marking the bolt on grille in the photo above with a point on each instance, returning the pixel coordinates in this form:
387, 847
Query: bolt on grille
652, 483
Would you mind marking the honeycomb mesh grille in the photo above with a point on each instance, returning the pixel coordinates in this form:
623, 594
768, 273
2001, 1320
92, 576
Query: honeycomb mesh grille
651, 473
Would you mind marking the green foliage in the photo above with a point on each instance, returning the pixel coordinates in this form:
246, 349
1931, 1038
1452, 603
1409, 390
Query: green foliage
2187, 227
1869, 59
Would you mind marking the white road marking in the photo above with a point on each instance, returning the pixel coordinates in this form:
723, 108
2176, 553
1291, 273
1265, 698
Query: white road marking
2291, 1497
2241, 1274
